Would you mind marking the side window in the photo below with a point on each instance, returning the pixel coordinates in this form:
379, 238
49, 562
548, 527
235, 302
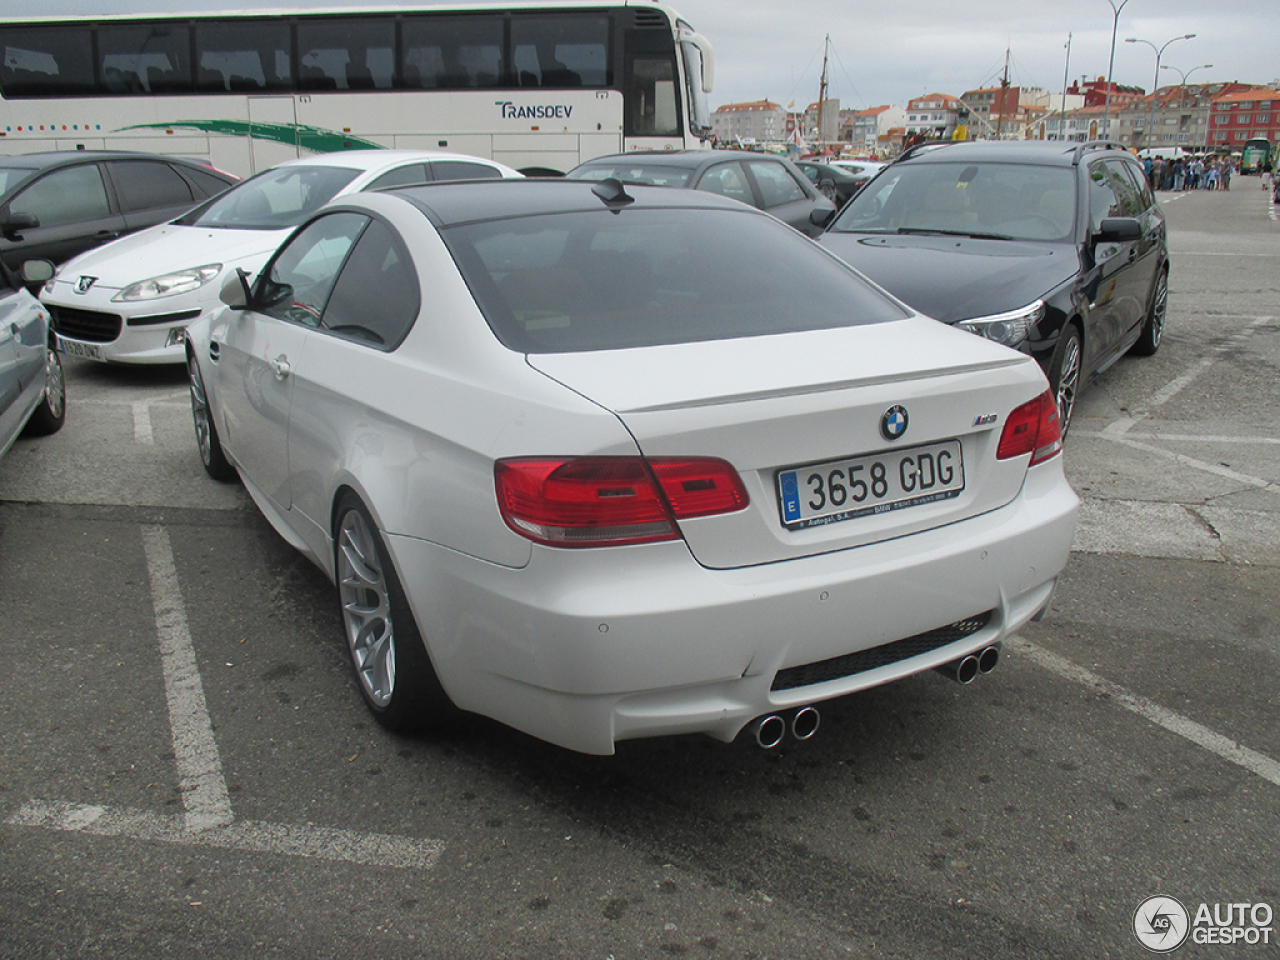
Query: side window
411, 174
346, 54
809, 171
73, 195
561, 51
463, 170
1110, 194
206, 184
776, 184
148, 184
1146, 200
297, 285
145, 59
376, 298
728, 180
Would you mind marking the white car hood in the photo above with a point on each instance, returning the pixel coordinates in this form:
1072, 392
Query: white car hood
166, 249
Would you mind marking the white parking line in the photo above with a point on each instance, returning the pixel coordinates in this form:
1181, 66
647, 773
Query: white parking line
204, 789
208, 820
369, 849
1224, 747
142, 422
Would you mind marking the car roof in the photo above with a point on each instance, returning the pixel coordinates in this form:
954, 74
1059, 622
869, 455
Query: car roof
688, 159
366, 160
450, 204
1044, 152
55, 158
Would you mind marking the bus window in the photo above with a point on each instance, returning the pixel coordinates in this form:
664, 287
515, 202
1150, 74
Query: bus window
46, 61
452, 53
151, 59
242, 56
346, 54
651, 98
563, 51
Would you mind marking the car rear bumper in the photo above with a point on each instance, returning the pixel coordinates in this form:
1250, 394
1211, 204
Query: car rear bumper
587, 647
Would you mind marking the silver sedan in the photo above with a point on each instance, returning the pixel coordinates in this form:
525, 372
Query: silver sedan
605, 462
33, 394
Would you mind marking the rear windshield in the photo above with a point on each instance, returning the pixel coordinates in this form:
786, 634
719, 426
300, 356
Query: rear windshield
638, 172
273, 200
1008, 201
600, 280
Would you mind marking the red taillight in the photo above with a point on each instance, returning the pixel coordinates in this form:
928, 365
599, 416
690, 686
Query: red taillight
1032, 428
607, 501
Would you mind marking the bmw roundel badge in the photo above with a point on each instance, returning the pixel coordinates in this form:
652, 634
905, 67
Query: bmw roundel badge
894, 422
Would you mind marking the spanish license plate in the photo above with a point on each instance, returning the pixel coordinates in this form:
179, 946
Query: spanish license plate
74, 348
877, 483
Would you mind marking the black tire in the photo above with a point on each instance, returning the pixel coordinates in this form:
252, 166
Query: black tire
1148, 341
50, 414
1064, 374
215, 461
388, 657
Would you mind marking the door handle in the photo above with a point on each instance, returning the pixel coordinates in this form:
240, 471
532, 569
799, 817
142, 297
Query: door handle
281, 366
215, 351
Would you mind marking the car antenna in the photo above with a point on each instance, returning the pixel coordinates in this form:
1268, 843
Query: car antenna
612, 192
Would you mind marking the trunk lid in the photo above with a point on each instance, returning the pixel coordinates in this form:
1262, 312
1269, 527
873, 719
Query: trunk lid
770, 405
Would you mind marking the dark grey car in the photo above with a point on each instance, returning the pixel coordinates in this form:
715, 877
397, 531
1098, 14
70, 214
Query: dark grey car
766, 182
56, 205
1058, 250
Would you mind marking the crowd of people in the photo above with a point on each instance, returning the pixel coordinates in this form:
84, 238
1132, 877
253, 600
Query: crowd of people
1190, 173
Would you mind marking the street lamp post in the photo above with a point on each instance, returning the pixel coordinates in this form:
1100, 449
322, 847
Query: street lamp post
1182, 89
1155, 89
1111, 64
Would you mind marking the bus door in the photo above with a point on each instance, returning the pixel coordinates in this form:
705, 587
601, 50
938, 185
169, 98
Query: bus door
273, 132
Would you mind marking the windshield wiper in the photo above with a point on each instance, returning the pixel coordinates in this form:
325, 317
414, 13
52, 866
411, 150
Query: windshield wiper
931, 231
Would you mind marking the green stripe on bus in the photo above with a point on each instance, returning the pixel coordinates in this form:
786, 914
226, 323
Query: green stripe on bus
316, 139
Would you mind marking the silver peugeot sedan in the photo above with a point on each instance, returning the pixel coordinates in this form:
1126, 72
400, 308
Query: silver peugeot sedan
604, 461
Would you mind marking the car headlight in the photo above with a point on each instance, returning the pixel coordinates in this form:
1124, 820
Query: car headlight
1008, 328
184, 281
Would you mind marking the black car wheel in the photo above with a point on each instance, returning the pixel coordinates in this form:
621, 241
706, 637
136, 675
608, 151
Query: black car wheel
1153, 327
52, 410
211, 455
1064, 374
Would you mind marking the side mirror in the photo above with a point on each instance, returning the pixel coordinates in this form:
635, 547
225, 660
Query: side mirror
821, 217
13, 224
37, 273
235, 292
1116, 229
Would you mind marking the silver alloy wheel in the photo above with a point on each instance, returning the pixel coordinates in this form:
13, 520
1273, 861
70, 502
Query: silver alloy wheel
366, 609
1068, 381
200, 412
1159, 305
55, 386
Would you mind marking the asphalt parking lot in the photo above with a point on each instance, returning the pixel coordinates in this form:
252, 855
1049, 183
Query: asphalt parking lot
186, 767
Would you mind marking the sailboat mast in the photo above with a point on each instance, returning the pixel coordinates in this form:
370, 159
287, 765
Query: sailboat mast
1004, 94
822, 89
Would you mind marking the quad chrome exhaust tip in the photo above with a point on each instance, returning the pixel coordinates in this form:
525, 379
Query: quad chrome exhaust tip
966, 669
771, 729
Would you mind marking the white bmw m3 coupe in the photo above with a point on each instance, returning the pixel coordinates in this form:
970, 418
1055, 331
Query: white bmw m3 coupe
605, 462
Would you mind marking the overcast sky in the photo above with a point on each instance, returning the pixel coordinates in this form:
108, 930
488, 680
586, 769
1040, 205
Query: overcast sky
889, 52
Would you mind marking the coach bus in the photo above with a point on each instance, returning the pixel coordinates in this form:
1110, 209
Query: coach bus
1254, 155
539, 86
